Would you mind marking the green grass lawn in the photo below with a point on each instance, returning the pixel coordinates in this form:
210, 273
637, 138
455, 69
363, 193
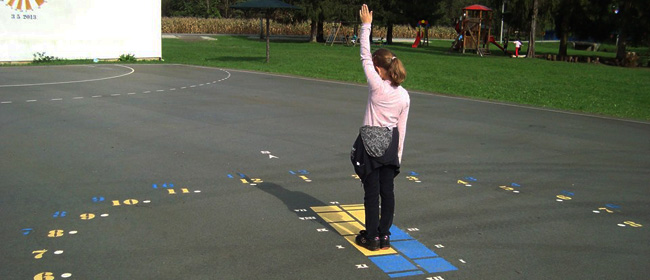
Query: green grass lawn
596, 89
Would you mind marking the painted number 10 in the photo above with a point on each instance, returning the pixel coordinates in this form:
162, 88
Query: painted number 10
126, 202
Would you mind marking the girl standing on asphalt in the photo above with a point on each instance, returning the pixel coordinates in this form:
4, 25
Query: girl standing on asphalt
381, 138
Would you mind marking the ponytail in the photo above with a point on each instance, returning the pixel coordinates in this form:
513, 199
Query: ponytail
386, 59
396, 71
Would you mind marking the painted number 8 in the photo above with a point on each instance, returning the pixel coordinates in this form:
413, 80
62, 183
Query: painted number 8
44, 276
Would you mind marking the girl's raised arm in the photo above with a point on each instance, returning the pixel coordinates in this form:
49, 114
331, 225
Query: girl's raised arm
366, 16
374, 80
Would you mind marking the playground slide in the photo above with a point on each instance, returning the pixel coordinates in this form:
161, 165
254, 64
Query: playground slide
417, 41
493, 41
499, 46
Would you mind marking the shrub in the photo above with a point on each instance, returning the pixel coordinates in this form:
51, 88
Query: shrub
42, 58
127, 58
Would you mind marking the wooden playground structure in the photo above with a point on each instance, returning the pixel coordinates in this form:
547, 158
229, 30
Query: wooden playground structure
474, 30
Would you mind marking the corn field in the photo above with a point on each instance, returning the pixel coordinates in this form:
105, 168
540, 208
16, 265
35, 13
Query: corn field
252, 26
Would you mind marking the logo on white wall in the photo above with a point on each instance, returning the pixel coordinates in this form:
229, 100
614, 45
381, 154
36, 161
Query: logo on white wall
25, 5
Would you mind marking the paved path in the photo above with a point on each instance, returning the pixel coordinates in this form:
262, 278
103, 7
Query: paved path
263, 187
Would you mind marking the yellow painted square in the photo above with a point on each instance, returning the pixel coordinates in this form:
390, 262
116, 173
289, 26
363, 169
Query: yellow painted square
320, 209
368, 252
336, 217
347, 228
359, 215
353, 207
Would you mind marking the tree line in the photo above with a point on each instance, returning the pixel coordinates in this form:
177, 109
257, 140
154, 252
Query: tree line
624, 22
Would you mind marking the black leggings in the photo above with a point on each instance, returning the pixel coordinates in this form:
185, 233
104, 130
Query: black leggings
376, 184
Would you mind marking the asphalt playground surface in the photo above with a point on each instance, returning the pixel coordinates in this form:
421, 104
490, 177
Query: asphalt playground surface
183, 172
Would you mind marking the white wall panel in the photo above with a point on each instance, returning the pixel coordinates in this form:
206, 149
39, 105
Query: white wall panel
79, 29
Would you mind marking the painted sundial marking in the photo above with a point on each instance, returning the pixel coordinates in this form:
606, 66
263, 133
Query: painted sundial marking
302, 174
246, 180
566, 195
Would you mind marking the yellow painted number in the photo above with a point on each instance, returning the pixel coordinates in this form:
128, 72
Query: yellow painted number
44, 276
87, 216
39, 253
55, 233
126, 202
632, 224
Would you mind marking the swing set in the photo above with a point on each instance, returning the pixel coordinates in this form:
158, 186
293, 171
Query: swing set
347, 39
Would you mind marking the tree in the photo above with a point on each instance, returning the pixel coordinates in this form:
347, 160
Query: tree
533, 29
633, 25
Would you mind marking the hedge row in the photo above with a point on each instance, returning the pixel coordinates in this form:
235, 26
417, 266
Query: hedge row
252, 26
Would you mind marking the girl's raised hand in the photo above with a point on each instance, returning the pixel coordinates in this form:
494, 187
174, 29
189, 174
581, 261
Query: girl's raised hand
366, 16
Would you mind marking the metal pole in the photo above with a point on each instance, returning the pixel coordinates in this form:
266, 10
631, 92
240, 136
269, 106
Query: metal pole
503, 9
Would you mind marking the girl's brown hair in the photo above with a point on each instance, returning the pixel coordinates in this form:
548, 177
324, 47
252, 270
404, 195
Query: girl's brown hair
386, 59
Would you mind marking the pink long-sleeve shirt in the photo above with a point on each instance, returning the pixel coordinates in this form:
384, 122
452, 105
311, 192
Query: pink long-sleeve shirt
388, 105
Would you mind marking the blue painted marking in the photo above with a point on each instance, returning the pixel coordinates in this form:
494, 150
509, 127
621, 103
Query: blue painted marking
614, 206
398, 234
230, 176
393, 263
435, 265
164, 185
241, 175
303, 172
404, 274
98, 199
171, 185
413, 249
568, 193
59, 214
470, 179
291, 172
413, 173
27, 231
154, 186
515, 185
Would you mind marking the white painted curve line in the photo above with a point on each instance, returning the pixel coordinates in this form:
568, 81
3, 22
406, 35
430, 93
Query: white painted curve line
73, 82
57, 99
96, 96
148, 91
31, 100
183, 87
193, 86
160, 90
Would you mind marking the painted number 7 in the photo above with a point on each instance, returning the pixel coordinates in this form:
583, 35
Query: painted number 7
39, 253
